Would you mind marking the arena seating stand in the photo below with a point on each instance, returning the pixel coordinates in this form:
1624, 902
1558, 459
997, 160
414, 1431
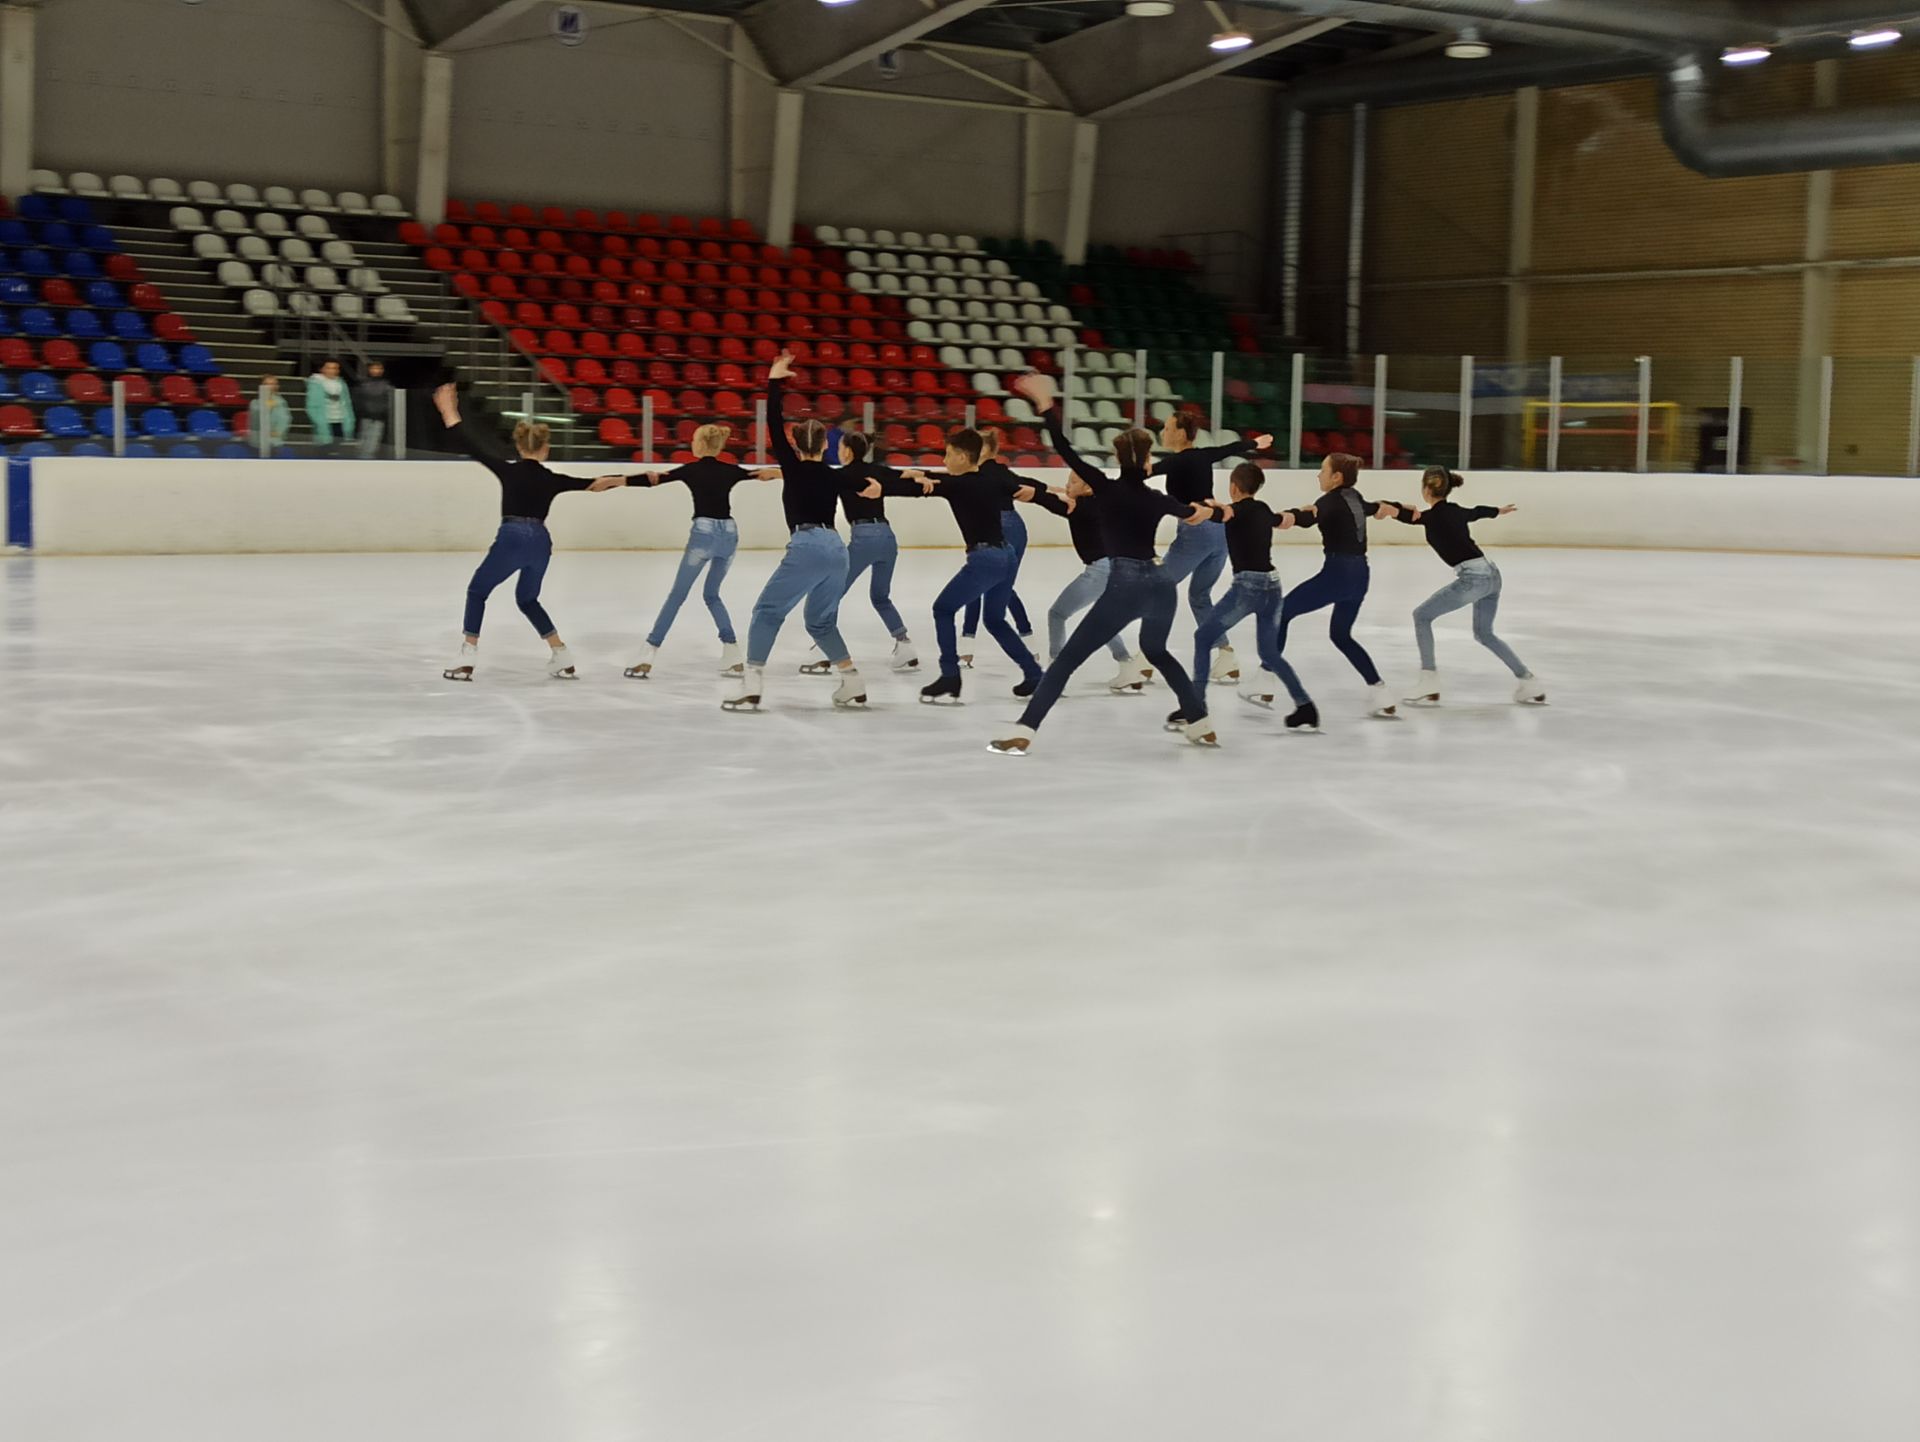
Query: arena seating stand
76, 314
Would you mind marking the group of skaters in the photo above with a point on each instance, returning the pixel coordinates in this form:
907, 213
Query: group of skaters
1113, 518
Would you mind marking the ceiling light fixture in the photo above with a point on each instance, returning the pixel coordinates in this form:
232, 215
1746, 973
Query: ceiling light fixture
1744, 55
1149, 9
1874, 39
1468, 45
1230, 40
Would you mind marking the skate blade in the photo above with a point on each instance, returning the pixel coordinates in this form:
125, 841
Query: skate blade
1533, 701
456, 675
750, 703
638, 673
999, 750
941, 701
1303, 731
1389, 714
1208, 742
817, 668
1227, 678
852, 703
1132, 688
908, 666
1265, 703
567, 675
1420, 701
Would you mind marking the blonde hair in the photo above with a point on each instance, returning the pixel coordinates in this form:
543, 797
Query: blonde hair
990, 439
531, 437
711, 440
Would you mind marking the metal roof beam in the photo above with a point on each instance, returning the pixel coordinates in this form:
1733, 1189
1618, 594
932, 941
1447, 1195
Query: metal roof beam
807, 44
1124, 63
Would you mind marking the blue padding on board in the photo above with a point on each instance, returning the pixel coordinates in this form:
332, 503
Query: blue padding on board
19, 501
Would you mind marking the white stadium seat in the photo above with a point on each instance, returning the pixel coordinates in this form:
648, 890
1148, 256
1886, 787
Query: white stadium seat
260, 302
238, 194
127, 187
162, 188
46, 182
280, 197
185, 217
255, 248
209, 246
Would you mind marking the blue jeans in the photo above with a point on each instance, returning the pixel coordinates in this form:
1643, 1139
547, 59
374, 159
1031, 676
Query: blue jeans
1476, 583
874, 547
986, 579
1081, 592
813, 570
1341, 583
1014, 529
710, 544
523, 546
1255, 594
1137, 591
1199, 552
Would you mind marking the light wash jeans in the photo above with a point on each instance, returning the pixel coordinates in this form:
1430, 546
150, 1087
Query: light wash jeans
813, 570
710, 545
1475, 583
1199, 552
874, 547
1255, 594
371, 434
1081, 592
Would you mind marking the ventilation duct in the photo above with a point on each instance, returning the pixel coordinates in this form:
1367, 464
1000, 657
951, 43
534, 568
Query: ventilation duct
1778, 145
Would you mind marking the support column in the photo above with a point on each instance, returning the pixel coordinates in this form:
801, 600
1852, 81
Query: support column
398, 125
1356, 229
1086, 142
1296, 143
436, 137
1817, 281
784, 187
16, 98
1526, 161
1032, 161
749, 115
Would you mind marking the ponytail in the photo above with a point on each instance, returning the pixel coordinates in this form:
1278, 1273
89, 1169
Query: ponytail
531, 437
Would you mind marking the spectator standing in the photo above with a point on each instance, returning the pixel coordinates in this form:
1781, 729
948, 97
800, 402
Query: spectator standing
373, 408
268, 414
329, 406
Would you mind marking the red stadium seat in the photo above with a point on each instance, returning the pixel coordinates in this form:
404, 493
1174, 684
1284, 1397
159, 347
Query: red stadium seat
622, 400
224, 391
123, 267
179, 390
138, 388
18, 421
59, 291
146, 296
587, 402
86, 388
616, 432
62, 355
172, 327
488, 211
521, 215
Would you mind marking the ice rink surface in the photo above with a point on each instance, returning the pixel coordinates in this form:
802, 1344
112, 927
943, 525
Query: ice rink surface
389, 1059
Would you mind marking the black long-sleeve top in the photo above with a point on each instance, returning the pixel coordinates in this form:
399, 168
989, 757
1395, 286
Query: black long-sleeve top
892, 483
1083, 523
1446, 527
812, 488
1249, 534
712, 481
999, 470
1129, 509
1342, 517
1189, 473
527, 488
978, 500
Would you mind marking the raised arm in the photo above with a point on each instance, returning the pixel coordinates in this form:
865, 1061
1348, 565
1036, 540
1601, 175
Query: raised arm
777, 374
446, 400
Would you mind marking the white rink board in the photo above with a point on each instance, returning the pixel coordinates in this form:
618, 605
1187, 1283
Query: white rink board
89, 506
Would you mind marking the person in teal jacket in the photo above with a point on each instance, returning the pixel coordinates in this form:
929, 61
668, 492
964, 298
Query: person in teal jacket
278, 419
330, 405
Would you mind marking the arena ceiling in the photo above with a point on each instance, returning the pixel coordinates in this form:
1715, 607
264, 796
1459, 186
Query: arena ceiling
1096, 58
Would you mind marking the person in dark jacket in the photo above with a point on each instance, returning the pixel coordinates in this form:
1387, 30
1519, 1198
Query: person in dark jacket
373, 404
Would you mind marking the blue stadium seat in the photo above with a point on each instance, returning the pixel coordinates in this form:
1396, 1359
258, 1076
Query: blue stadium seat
130, 325
6, 386
233, 451
84, 325
14, 234
106, 355
98, 237
37, 207
6, 322
103, 421
158, 421
39, 386
204, 422
37, 448
35, 261
58, 235
15, 291
104, 294
76, 210
153, 357
37, 320
198, 359
140, 451
88, 448
81, 265
64, 422
187, 451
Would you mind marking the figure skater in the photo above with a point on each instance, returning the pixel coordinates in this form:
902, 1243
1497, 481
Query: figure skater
1082, 511
1476, 583
1014, 527
980, 499
1130, 514
711, 544
1341, 582
814, 568
873, 546
1198, 554
522, 544
1249, 525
